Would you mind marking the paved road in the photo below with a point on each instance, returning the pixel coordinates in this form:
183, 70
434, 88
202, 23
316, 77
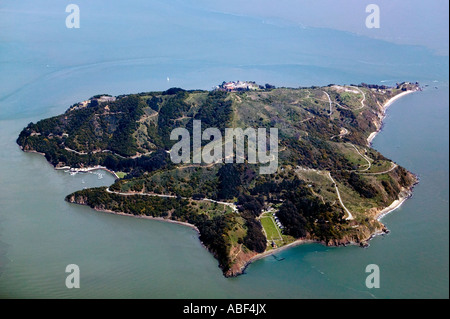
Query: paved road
232, 206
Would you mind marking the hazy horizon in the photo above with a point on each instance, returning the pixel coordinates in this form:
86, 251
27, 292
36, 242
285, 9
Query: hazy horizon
424, 23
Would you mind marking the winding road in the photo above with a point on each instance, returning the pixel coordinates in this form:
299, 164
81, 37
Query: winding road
343, 132
394, 166
231, 205
329, 101
350, 216
365, 157
363, 100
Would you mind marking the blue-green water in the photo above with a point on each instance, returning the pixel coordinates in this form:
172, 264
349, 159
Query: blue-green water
45, 67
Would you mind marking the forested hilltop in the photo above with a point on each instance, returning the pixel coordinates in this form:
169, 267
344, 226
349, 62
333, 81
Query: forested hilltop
330, 185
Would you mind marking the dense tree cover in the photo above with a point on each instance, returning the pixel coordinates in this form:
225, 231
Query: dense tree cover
198, 196
94, 127
158, 159
251, 207
56, 154
76, 138
361, 186
172, 108
255, 239
173, 91
98, 198
404, 178
216, 111
274, 190
122, 141
374, 86
304, 214
390, 188
358, 183
316, 153
229, 182
154, 102
212, 235
294, 221
347, 114
87, 129
301, 212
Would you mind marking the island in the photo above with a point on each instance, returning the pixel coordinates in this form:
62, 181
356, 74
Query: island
329, 186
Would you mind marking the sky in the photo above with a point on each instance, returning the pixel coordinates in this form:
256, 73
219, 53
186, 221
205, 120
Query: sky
415, 22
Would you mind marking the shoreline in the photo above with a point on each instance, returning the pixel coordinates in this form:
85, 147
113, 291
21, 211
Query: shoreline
247, 263
405, 194
394, 205
73, 169
87, 169
385, 211
162, 219
268, 253
384, 107
242, 269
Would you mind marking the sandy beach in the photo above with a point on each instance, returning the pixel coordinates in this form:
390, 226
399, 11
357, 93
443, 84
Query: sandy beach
404, 195
394, 205
277, 250
384, 108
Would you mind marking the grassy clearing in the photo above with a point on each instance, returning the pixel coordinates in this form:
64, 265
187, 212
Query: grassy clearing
238, 232
270, 228
273, 232
121, 174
